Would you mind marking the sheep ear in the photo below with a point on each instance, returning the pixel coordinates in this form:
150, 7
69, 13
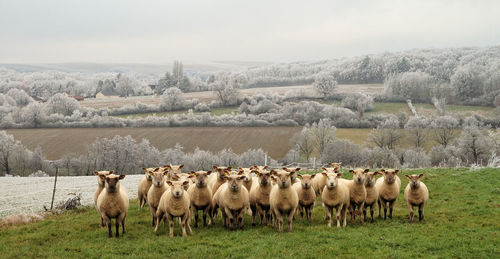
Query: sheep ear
165, 172
149, 173
169, 183
382, 170
167, 166
323, 173
226, 174
229, 168
102, 177
297, 169
351, 171
144, 169
241, 177
376, 173
323, 168
96, 173
185, 183
273, 172
156, 169
240, 172
420, 176
121, 177
366, 170
265, 167
299, 176
112, 172
215, 168
175, 177
181, 166
339, 175
209, 172
336, 168
407, 176
284, 168
191, 176
313, 175
396, 171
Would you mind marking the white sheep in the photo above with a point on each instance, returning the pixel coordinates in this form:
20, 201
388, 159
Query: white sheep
201, 196
175, 203
113, 202
335, 194
100, 186
259, 195
371, 194
144, 184
388, 188
416, 195
307, 195
283, 199
156, 191
232, 199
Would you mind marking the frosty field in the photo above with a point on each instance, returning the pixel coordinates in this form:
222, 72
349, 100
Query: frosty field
30, 194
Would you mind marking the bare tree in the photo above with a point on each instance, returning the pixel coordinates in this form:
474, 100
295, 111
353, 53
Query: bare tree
387, 134
444, 129
305, 143
417, 128
323, 133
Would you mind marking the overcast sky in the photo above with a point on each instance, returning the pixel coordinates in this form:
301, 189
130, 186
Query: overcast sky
254, 30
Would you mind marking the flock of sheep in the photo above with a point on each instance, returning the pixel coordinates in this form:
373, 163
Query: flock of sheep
267, 193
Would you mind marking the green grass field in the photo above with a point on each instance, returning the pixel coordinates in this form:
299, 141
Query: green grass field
461, 221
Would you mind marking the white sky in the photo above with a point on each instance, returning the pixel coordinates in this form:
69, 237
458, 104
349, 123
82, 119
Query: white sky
122, 31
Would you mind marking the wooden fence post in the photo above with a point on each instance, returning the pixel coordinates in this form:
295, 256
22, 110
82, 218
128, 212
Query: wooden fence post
54, 190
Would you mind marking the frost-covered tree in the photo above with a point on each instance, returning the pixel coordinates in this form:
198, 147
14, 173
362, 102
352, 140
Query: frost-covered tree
467, 83
325, 84
416, 158
342, 150
323, 133
475, 145
172, 99
417, 129
126, 86
416, 86
19, 96
225, 89
61, 103
304, 143
33, 114
7, 145
358, 102
444, 129
387, 134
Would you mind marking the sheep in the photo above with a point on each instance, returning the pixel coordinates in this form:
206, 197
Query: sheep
113, 202
173, 169
201, 196
216, 180
175, 202
335, 194
144, 184
183, 177
156, 191
232, 199
100, 186
283, 199
357, 193
306, 194
371, 194
319, 181
248, 181
416, 195
388, 190
295, 171
259, 196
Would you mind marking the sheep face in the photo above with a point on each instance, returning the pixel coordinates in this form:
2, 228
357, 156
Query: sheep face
173, 169
414, 180
221, 171
330, 169
158, 176
389, 175
359, 175
201, 177
100, 180
247, 172
306, 180
332, 179
112, 181
295, 172
283, 178
370, 178
264, 177
177, 187
333, 165
234, 181
147, 173
259, 168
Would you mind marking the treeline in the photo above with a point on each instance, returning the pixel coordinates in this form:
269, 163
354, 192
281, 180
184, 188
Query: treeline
473, 144
122, 154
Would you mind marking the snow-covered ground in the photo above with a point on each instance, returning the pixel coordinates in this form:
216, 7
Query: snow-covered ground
30, 194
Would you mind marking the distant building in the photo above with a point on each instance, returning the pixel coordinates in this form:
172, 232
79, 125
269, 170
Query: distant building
77, 97
107, 94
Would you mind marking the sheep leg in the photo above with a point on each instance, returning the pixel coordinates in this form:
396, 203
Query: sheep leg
140, 202
240, 218
117, 227
328, 215
352, 210
391, 206
360, 209
372, 211
289, 218
420, 212
205, 212
110, 233
279, 219
102, 222
170, 225
364, 213
378, 203
261, 213
344, 215
253, 208
309, 213
122, 221
195, 212
183, 224
410, 211
159, 216
338, 211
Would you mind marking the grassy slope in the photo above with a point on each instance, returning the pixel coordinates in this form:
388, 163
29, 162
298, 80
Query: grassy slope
461, 221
